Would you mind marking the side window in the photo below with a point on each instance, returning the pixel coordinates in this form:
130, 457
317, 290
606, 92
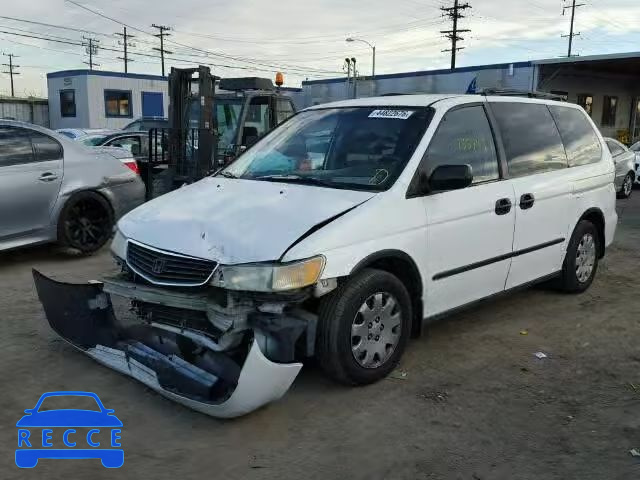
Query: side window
614, 148
609, 108
67, 103
257, 120
284, 109
580, 141
15, 147
464, 137
531, 140
585, 100
132, 144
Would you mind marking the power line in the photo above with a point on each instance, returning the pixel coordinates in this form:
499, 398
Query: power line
208, 52
11, 71
91, 47
454, 14
573, 16
125, 43
161, 34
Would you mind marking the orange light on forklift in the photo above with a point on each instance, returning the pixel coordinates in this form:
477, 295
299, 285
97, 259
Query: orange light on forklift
279, 79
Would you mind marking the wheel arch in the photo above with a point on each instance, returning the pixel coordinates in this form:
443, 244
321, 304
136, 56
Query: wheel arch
70, 196
401, 265
596, 217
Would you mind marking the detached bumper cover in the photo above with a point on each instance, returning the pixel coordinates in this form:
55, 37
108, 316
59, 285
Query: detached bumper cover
175, 366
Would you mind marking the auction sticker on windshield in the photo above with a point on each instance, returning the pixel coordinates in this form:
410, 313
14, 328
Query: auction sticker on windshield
398, 114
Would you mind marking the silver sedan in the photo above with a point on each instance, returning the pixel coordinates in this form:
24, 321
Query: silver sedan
625, 161
53, 189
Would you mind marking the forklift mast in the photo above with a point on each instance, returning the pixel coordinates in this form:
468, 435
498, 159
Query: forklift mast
192, 143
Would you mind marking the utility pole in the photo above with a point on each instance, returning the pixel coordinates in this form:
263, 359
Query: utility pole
91, 47
162, 29
125, 43
347, 62
573, 17
454, 14
11, 71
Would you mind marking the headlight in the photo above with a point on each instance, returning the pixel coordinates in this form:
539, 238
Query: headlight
119, 245
273, 277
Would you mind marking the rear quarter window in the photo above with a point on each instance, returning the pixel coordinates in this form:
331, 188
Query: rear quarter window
531, 139
580, 140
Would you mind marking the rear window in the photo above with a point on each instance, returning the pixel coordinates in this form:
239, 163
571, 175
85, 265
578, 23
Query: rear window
531, 140
46, 147
580, 140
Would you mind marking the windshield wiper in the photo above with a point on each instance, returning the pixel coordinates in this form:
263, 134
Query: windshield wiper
296, 179
226, 175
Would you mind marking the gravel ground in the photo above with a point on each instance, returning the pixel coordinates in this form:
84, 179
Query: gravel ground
475, 403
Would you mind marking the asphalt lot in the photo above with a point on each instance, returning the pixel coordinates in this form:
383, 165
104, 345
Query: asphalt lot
475, 403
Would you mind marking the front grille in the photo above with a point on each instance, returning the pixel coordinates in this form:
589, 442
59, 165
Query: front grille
178, 317
165, 268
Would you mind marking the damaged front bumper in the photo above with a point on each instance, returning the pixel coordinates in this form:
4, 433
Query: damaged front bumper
245, 362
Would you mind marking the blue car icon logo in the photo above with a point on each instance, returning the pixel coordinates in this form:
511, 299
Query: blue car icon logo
83, 433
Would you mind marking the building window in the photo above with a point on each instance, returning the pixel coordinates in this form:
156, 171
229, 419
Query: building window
68, 103
117, 103
609, 111
586, 101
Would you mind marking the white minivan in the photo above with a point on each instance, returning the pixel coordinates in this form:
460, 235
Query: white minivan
339, 235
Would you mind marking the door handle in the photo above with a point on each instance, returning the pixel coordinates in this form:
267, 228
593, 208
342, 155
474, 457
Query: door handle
503, 206
526, 201
48, 177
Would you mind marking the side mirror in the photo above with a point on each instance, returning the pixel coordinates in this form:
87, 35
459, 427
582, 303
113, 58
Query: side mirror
450, 177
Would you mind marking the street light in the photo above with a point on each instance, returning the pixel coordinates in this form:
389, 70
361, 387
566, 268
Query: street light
373, 47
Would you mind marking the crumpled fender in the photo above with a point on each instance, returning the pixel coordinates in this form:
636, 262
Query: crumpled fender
82, 314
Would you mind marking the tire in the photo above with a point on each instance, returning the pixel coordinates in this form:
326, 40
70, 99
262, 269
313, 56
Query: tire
627, 186
572, 280
85, 223
339, 321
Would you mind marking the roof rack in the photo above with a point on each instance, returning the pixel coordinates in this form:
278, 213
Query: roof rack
508, 92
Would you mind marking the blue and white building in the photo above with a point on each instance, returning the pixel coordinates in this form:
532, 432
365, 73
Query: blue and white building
100, 99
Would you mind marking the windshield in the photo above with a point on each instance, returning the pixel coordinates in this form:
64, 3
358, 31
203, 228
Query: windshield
363, 148
227, 116
93, 140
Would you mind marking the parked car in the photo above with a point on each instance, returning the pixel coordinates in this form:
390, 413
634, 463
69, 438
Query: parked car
625, 161
53, 189
635, 148
420, 205
144, 124
93, 139
79, 133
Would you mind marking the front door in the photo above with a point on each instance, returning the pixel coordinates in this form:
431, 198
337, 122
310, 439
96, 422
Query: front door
469, 231
30, 178
538, 167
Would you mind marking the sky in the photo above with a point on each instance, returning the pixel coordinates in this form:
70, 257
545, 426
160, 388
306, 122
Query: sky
302, 39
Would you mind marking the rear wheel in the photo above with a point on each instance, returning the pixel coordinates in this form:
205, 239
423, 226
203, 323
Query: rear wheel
364, 327
627, 186
581, 261
86, 222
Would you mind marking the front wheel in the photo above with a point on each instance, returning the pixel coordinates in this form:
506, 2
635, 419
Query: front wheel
627, 186
581, 261
364, 327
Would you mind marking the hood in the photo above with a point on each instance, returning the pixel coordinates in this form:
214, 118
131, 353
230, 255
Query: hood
235, 221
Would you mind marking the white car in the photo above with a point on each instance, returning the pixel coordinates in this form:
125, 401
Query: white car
421, 205
635, 148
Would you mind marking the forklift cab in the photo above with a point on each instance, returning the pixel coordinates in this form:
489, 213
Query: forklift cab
245, 110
